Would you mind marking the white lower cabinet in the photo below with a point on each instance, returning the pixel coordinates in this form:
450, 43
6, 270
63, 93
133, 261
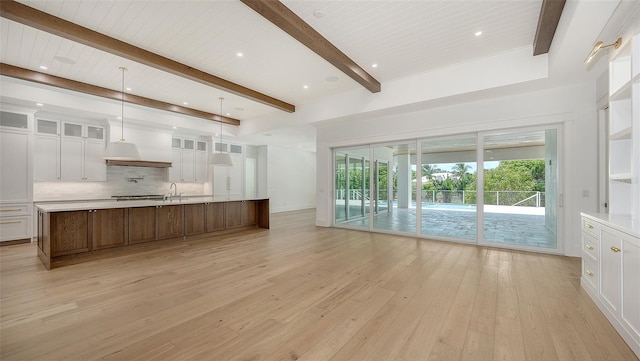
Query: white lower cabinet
630, 311
611, 271
15, 221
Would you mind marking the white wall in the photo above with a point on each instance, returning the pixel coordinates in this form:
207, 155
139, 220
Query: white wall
292, 179
573, 106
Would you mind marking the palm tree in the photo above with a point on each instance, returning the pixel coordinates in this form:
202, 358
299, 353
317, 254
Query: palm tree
460, 171
428, 170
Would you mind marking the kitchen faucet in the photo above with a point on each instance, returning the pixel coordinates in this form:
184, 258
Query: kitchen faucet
175, 193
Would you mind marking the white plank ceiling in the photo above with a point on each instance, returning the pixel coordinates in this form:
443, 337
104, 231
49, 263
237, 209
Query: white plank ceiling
402, 37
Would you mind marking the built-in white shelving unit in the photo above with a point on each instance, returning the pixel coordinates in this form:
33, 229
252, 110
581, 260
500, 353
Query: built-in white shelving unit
624, 129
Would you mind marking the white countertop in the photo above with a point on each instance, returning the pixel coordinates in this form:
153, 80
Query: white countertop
620, 222
102, 204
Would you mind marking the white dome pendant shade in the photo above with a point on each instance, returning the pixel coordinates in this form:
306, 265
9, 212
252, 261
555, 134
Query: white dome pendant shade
221, 158
122, 150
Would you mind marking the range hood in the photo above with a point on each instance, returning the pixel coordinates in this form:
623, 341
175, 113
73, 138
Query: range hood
138, 163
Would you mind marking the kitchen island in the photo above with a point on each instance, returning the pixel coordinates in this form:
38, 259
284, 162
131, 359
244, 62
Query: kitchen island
68, 230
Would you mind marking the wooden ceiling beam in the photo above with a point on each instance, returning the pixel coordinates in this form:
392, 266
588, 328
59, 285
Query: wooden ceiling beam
292, 24
550, 13
40, 20
47, 79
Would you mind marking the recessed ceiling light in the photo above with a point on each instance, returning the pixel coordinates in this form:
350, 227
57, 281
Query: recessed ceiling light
305, 86
228, 114
129, 89
119, 117
239, 54
374, 65
40, 104
43, 67
318, 13
331, 78
478, 33
185, 103
174, 127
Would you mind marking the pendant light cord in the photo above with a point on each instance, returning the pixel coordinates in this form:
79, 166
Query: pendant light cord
122, 106
221, 118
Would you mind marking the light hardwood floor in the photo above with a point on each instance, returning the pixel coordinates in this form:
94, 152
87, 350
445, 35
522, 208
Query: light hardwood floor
298, 292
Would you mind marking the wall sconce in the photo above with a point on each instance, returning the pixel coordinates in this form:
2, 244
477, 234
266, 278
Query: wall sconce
600, 45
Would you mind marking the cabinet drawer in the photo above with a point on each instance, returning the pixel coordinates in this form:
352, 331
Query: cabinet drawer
15, 209
590, 246
14, 228
591, 228
590, 272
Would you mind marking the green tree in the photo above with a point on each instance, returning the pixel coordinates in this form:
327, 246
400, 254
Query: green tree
514, 175
460, 173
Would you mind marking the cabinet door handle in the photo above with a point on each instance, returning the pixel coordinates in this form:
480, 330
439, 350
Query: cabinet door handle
589, 246
615, 249
10, 222
11, 210
589, 226
589, 273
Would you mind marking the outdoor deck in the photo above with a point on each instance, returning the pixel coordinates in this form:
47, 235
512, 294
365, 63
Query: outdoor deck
522, 226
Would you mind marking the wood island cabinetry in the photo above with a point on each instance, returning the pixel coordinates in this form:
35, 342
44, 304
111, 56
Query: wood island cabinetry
215, 215
241, 214
70, 230
194, 219
82, 231
142, 224
204, 218
170, 220
66, 230
109, 228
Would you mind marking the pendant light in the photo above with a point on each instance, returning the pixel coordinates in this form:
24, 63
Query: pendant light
122, 150
221, 158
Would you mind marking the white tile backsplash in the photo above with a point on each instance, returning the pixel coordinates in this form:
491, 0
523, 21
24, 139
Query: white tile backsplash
117, 184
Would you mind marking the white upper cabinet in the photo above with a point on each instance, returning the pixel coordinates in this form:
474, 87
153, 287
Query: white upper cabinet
201, 161
47, 150
15, 160
229, 181
69, 151
188, 160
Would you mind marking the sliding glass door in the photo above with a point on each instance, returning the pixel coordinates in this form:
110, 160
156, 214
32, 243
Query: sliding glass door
449, 187
352, 187
396, 183
497, 188
521, 188
381, 187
